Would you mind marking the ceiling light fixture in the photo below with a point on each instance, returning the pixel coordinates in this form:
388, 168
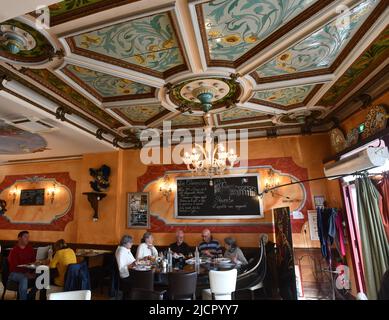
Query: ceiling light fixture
211, 160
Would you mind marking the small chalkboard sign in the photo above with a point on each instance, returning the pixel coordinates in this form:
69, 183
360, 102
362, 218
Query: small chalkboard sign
226, 197
32, 197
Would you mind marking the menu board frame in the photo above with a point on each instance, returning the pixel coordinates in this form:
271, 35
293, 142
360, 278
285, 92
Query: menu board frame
223, 217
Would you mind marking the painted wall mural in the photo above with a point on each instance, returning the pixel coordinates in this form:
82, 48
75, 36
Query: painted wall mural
17, 141
377, 52
54, 214
285, 96
149, 42
233, 27
55, 84
321, 48
105, 85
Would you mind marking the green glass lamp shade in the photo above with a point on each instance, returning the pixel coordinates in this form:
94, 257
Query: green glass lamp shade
205, 99
14, 44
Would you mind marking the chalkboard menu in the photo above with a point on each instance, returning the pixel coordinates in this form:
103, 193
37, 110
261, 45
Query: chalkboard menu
32, 197
225, 197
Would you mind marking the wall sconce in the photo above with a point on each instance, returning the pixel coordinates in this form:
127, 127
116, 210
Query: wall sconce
271, 181
51, 192
13, 194
166, 187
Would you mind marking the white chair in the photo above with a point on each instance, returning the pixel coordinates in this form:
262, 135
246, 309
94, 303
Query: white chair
222, 283
70, 295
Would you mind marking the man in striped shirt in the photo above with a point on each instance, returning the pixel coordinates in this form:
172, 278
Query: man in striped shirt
209, 247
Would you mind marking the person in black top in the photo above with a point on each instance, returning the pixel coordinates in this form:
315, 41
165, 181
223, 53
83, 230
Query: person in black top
180, 247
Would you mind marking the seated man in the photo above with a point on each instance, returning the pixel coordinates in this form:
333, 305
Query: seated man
63, 256
209, 247
180, 247
22, 253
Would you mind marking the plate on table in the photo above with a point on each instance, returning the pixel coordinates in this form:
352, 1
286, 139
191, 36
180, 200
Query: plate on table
193, 261
142, 268
223, 260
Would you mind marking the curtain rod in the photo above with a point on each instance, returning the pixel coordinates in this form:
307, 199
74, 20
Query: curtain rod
364, 173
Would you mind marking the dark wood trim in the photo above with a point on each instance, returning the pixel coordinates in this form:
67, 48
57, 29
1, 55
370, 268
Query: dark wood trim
87, 10
121, 63
361, 143
158, 116
283, 30
66, 97
341, 57
370, 83
97, 95
241, 120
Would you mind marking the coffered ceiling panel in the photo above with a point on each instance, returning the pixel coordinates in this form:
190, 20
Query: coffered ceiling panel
372, 57
149, 44
106, 87
140, 115
241, 115
270, 66
284, 97
56, 85
321, 48
232, 28
187, 121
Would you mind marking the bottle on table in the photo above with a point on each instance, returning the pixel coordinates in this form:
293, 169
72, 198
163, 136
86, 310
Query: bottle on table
170, 257
197, 256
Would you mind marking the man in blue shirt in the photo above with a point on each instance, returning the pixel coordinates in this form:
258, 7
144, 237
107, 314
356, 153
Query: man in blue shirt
209, 247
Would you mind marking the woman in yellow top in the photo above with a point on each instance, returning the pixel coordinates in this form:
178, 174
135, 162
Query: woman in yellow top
63, 256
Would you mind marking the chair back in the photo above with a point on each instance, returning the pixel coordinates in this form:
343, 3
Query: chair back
223, 283
77, 277
5, 271
182, 285
70, 295
142, 279
143, 294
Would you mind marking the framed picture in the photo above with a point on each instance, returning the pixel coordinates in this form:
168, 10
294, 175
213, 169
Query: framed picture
138, 210
319, 201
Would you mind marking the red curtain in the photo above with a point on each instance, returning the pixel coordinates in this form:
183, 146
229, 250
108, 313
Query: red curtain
383, 188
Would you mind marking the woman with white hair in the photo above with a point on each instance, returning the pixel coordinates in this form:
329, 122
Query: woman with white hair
233, 252
124, 257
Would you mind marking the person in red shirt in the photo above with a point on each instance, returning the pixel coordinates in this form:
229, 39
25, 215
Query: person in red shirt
22, 253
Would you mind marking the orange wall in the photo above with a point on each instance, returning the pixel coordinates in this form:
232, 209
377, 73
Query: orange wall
306, 151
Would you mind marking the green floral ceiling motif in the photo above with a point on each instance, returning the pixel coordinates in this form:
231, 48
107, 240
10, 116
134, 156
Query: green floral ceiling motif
185, 120
148, 42
65, 6
55, 84
104, 84
239, 114
36, 47
368, 61
285, 96
140, 114
320, 49
234, 26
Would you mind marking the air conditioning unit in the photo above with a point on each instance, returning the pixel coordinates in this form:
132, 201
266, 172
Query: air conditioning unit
368, 158
33, 125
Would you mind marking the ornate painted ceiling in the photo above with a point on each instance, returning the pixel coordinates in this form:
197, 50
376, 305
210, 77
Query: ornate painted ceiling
112, 68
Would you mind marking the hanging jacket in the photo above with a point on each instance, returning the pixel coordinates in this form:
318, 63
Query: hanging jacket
340, 235
77, 277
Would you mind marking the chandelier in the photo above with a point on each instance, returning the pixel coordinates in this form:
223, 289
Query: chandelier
211, 160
